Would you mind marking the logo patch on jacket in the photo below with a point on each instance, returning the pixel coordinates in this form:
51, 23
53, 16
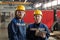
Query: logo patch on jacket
42, 29
20, 24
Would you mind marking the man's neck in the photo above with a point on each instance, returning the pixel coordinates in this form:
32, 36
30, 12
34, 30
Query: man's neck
20, 20
37, 23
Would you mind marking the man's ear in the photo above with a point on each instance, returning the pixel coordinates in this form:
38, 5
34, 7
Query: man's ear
15, 13
24, 14
34, 17
41, 17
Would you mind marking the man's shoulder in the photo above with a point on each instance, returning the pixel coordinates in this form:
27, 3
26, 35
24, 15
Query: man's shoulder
30, 25
44, 25
14, 20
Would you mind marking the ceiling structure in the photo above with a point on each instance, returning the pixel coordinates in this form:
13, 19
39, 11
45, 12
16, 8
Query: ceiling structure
46, 4
40, 4
33, 1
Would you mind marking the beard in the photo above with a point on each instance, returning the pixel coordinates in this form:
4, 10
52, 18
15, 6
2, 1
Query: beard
19, 17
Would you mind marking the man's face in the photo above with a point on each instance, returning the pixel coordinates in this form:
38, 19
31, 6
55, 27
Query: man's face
20, 14
37, 18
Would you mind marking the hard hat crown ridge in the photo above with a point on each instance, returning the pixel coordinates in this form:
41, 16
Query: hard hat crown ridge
37, 12
20, 7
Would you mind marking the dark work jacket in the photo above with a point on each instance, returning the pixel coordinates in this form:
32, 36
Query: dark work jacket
17, 30
30, 35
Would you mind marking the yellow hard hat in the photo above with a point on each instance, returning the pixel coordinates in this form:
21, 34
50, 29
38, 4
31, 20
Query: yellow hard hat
37, 12
20, 7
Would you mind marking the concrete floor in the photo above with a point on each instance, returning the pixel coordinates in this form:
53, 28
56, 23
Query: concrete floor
4, 35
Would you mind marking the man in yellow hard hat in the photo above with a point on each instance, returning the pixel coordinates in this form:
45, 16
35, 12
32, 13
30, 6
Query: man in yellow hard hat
17, 27
37, 30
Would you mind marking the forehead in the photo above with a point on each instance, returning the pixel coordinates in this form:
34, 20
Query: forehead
37, 15
20, 11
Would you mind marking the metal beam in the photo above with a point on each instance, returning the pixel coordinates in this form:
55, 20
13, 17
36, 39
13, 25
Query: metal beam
7, 2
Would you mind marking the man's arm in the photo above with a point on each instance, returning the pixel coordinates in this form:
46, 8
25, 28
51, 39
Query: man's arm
27, 33
48, 32
11, 32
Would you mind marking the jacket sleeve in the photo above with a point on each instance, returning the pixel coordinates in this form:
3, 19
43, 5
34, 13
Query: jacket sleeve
28, 33
11, 32
48, 32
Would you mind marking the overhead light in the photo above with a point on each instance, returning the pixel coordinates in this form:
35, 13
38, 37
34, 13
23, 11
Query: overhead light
25, 1
36, 5
47, 5
53, 3
58, 2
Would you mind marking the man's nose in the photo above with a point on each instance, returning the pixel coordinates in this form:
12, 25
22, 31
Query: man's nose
20, 13
37, 17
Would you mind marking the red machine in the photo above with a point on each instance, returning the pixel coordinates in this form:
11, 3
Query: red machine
48, 17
